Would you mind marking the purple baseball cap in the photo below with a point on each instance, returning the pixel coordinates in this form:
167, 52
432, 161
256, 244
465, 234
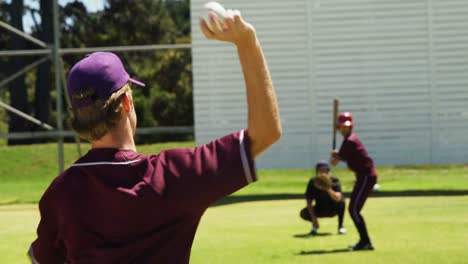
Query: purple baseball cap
101, 71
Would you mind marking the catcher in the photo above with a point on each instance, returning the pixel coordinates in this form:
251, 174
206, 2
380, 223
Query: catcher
329, 200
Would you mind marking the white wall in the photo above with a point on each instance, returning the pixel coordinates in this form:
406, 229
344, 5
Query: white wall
400, 66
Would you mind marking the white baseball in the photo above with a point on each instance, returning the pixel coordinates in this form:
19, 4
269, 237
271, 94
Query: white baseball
218, 9
376, 187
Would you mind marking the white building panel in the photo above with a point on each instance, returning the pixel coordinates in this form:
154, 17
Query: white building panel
400, 66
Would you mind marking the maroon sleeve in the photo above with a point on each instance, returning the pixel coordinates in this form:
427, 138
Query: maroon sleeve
45, 248
196, 178
346, 150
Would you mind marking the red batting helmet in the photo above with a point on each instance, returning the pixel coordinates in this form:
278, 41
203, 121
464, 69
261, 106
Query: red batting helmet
345, 119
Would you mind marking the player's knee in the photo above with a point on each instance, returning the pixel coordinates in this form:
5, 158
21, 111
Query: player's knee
351, 209
305, 214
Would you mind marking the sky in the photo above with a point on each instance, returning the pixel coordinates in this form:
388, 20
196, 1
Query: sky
91, 5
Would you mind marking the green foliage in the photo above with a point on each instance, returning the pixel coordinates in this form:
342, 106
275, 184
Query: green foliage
174, 101
179, 11
4, 37
3, 125
167, 99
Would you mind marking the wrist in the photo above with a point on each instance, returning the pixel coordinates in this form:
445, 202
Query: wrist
250, 42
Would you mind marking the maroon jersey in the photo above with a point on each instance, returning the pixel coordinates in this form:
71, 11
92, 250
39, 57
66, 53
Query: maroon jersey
119, 206
355, 154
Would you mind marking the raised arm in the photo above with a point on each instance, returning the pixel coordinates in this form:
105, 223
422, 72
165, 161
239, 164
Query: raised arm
264, 123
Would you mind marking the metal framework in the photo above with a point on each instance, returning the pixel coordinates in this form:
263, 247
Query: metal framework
54, 53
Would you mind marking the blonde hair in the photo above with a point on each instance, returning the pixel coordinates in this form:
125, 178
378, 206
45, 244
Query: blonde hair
92, 122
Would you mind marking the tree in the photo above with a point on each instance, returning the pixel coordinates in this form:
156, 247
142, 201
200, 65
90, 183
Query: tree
173, 105
17, 88
43, 76
4, 38
179, 10
4, 42
167, 100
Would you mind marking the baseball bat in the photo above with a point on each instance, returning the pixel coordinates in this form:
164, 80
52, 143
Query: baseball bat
335, 119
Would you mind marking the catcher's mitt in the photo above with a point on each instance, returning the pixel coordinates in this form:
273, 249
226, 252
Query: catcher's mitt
323, 182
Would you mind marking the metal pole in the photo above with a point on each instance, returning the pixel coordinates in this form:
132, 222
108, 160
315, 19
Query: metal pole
25, 116
71, 134
126, 48
35, 52
65, 51
24, 35
40, 134
22, 71
56, 56
64, 85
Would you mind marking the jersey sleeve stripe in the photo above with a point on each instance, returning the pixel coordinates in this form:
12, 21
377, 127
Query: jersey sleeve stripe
244, 159
105, 163
31, 256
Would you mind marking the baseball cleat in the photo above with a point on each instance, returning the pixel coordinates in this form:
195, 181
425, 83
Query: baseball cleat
362, 246
342, 231
313, 232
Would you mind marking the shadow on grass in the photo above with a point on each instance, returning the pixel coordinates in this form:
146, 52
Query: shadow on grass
288, 196
17, 202
307, 235
322, 252
418, 193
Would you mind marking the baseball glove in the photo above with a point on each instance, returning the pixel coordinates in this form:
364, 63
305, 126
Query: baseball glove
323, 182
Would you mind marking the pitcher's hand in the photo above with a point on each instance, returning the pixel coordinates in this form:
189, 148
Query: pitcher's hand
234, 30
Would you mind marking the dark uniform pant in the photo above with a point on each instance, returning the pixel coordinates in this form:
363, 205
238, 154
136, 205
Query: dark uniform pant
326, 211
361, 191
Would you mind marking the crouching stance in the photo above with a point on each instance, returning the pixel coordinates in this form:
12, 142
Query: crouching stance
325, 190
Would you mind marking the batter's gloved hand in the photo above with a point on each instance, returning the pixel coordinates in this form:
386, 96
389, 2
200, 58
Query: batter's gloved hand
334, 158
334, 154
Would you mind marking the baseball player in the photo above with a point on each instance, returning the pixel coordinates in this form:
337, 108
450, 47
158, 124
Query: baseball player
329, 200
115, 205
354, 153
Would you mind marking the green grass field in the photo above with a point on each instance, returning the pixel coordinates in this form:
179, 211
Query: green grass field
418, 216
25, 171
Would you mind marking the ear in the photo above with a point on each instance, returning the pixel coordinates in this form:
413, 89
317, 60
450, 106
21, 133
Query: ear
126, 102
